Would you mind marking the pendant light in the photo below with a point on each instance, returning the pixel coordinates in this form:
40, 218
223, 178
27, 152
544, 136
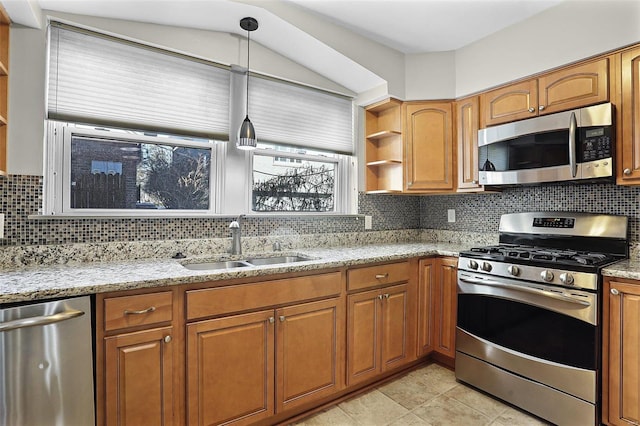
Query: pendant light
247, 134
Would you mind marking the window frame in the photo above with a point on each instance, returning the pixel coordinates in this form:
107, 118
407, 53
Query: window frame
345, 172
57, 173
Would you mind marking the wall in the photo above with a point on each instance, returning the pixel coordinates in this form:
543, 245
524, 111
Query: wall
481, 212
566, 33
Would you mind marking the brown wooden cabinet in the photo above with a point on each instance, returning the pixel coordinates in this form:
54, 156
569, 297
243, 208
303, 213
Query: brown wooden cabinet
245, 368
628, 154
4, 86
467, 114
437, 301
383, 147
380, 320
136, 359
621, 360
429, 148
568, 88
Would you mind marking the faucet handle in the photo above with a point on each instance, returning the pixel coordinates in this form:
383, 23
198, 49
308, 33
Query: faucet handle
276, 246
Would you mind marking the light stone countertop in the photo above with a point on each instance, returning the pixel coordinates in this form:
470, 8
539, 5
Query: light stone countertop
54, 281
629, 268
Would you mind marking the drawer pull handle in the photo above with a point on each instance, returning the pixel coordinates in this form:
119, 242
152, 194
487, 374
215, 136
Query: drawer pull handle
381, 276
140, 312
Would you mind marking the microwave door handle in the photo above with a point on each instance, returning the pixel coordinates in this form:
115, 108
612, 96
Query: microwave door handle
573, 126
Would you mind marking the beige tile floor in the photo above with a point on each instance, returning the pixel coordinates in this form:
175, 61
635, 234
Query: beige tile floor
427, 396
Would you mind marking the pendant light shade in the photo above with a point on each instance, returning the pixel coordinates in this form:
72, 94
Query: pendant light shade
247, 134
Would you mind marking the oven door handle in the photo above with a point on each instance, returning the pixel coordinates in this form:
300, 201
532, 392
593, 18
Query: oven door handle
525, 289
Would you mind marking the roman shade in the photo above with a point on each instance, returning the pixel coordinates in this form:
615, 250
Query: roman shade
98, 79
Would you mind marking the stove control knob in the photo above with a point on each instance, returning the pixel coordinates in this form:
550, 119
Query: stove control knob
486, 266
546, 275
566, 278
513, 270
472, 264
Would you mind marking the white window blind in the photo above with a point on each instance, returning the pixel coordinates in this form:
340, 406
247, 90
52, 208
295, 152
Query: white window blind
102, 80
294, 115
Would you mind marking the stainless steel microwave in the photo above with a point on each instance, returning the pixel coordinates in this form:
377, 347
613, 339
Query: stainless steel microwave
565, 146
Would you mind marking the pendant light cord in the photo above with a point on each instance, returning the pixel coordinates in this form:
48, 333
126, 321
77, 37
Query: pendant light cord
248, 47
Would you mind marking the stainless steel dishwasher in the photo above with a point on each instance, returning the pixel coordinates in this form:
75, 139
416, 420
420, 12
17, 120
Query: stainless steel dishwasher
46, 364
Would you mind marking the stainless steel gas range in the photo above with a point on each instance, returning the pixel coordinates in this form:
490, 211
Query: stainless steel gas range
530, 312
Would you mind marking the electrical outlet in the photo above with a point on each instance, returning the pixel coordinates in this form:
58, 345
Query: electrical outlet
368, 222
1, 225
451, 215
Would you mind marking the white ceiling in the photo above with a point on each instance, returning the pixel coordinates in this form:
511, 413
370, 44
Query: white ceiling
408, 26
418, 26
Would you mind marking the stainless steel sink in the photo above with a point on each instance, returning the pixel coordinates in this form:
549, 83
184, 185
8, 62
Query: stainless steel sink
261, 261
207, 266
244, 263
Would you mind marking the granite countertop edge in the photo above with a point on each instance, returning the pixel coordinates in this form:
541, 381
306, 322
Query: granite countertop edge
629, 269
61, 281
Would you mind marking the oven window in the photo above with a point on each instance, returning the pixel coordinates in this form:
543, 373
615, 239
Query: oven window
526, 152
530, 330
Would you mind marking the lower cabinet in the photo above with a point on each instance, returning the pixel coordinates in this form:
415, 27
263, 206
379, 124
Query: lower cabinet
244, 368
139, 378
380, 325
621, 349
437, 306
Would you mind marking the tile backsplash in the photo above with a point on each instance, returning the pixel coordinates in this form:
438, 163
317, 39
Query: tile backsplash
21, 196
481, 212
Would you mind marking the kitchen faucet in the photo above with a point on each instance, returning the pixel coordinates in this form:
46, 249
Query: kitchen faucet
236, 235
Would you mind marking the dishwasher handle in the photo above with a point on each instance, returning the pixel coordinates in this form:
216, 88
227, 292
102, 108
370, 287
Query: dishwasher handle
39, 320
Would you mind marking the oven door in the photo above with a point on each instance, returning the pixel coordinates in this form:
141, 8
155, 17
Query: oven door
545, 333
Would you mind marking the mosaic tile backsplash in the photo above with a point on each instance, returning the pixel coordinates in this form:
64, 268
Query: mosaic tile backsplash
481, 212
22, 196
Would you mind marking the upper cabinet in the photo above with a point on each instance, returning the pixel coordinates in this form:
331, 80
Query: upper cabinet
467, 113
568, 88
429, 149
383, 147
629, 130
4, 86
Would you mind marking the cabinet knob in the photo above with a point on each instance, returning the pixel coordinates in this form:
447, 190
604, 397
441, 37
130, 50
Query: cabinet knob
627, 172
380, 296
474, 182
541, 107
282, 318
615, 291
532, 109
386, 295
167, 339
271, 320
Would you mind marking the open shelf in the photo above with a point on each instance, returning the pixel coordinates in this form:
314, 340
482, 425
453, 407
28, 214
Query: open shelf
383, 147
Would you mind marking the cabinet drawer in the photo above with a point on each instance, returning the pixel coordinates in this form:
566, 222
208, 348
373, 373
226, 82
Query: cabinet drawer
243, 297
133, 311
373, 276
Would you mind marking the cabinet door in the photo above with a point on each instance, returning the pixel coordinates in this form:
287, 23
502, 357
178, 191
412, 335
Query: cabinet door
574, 87
230, 377
446, 302
624, 353
429, 146
629, 146
363, 336
467, 125
397, 344
309, 352
426, 287
514, 102
138, 378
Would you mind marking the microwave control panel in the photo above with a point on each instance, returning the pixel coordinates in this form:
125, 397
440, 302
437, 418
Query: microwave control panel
596, 143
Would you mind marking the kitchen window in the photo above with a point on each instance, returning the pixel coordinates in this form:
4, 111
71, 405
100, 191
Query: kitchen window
108, 171
304, 162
